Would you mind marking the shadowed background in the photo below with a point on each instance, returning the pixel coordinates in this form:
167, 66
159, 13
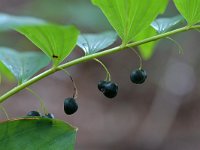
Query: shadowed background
162, 114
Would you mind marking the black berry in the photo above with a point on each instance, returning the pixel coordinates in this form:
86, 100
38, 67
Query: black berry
70, 106
138, 76
49, 115
101, 85
109, 89
33, 114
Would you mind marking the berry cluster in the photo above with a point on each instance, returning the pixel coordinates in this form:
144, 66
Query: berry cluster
108, 88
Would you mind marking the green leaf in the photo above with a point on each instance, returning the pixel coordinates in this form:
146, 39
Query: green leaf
147, 50
57, 42
8, 21
5, 72
37, 134
92, 43
23, 65
190, 9
162, 25
130, 17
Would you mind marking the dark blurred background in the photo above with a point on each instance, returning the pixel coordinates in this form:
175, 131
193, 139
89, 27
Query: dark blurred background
162, 114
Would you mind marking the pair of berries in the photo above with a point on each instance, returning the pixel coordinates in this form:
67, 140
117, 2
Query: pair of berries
37, 114
138, 76
108, 88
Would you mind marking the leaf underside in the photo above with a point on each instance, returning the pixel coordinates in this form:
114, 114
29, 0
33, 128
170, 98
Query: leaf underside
162, 25
23, 65
8, 22
92, 43
37, 134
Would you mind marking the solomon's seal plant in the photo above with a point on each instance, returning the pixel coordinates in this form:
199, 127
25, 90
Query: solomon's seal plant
135, 22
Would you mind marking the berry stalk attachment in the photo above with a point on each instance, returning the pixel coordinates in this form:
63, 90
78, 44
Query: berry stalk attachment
108, 76
108, 88
138, 76
180, 49
42, 105
4, 110
138, 55
75, 94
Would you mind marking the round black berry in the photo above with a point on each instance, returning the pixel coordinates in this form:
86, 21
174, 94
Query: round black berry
138, 76
109, 89
33, 114
101, 85
49, 115
70, 106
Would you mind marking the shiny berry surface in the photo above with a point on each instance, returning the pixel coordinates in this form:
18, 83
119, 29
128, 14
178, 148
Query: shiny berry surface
70, 106
138, 76
33, 114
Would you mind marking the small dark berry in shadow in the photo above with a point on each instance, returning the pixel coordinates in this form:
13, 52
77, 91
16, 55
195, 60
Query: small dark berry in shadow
49, 115
33, 114
138, 76
70, 106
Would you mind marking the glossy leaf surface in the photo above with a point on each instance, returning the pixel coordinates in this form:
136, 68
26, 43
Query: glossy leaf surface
23, 65
162, 25
92, 43
37, 134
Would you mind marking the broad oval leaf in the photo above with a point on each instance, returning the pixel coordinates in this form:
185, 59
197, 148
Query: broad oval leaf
190, 9
147, 50
57, 42
9, 21
130, 17
37, 134
162, 25
92, 43
23, 65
